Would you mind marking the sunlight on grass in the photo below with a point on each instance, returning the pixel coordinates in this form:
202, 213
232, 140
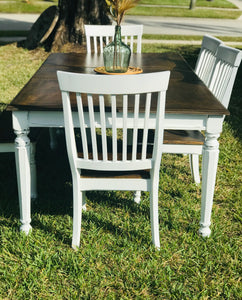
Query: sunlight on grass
13, 77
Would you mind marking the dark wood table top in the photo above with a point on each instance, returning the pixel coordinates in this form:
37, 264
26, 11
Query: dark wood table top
186, 93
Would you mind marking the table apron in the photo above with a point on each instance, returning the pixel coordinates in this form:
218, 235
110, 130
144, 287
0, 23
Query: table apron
25, 119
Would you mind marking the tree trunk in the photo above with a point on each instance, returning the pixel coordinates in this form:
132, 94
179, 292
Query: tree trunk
192, 4
71, 16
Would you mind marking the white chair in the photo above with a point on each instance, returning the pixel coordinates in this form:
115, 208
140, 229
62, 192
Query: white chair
7, 144
101, 35
114, 165
221, 83
207, 57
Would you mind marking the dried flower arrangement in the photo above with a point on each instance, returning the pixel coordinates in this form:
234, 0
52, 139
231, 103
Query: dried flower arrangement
118, 8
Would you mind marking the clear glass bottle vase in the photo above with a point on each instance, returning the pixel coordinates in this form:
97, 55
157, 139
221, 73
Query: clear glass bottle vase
116, 55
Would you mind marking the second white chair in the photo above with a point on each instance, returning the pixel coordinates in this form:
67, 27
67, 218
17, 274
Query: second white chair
207, 57
98, 36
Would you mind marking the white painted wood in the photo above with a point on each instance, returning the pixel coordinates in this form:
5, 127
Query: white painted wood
22, 155
194, 166
10, 147
119, 85
95, 34
221, 83
209, 167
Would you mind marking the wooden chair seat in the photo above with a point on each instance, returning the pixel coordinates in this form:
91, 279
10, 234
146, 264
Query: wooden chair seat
140, 174
183, 137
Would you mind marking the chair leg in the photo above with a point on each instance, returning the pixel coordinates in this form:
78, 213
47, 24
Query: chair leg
137, 197
77, 213
53, 138
84, 207
194, 165
33, 172
154, 217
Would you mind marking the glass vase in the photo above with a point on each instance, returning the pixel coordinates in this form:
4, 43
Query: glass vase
116, 55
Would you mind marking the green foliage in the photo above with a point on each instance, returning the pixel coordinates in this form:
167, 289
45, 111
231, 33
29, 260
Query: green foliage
116, 259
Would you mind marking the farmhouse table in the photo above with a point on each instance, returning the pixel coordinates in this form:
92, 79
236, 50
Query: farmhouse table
189, 106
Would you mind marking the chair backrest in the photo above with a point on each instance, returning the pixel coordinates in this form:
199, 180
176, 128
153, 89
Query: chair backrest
103, 34
206, 57
115, 104
224, 72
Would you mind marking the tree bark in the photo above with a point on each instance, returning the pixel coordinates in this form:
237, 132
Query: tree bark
192, 4
72, 17
64, 24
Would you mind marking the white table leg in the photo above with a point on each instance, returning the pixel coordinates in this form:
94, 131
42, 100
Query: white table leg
22, 156
209, 170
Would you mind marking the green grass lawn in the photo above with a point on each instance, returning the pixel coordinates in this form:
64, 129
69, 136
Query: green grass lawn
184, 12
199, 3
116, 259
21, 6
36, 6
201, 10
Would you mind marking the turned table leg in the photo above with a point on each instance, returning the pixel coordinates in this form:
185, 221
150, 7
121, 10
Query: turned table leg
209, 170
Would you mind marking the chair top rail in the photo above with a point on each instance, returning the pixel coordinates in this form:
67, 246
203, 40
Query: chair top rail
106, 84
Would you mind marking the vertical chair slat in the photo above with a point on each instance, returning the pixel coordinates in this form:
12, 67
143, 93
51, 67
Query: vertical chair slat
107, 40
114, 127
139, 42
70, 135
101, 44
95, 44
82, 125
125, 121
135, 129
160, 112
220, 85
132, 43
103, 127
93, 127
207, 62
146, 126
227, 75
215, 77
88, 41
